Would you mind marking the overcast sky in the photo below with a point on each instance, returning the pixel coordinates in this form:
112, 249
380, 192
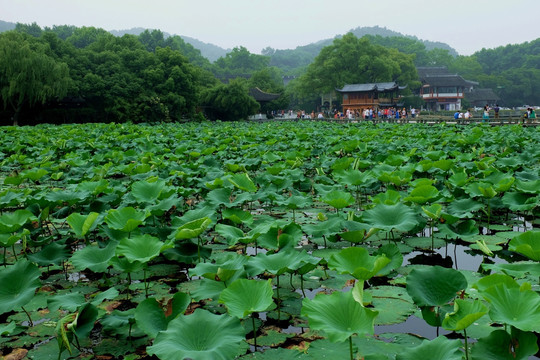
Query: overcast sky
466, 25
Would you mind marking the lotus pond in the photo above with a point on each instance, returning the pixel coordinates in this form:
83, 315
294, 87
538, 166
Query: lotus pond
300, 240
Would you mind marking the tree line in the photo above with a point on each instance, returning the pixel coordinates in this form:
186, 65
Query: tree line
71, 74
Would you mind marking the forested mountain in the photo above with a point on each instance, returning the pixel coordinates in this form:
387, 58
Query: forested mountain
66, 73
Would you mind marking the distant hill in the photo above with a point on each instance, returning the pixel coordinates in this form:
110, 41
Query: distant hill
210, 51
304, 52
6, 26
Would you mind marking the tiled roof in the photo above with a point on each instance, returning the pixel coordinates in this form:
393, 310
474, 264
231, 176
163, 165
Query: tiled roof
260, 95
380, 87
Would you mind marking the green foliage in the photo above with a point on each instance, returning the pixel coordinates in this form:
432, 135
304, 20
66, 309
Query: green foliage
229, 102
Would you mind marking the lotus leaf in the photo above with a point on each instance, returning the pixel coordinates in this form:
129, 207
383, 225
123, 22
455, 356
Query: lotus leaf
338, 199
357, 262
438, 349
12, 222
422, 194
338, 315
527, 244
147, 191
243, 182
18, 284
93, 257
514, 306
517, 201
243, 297
192, 228
389, 217
125, 219
201, 335
500, 345
465, 314
82, 224
434, 286
141, 248
151, 317
52, 254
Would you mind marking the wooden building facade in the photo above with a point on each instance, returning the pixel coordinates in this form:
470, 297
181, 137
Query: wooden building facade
357, 97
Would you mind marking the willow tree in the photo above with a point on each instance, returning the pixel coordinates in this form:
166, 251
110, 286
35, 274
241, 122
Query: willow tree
28, 75
350, 60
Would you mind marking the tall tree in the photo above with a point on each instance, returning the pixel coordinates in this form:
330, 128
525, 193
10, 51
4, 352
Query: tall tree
27, 74
351, 60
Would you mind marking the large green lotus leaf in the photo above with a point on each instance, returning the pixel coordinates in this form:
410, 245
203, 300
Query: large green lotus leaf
464, 208
357, 262
125, 265
296, 202
338, 199
500, 345
231, 233
393, 303
495, 279
205, 289
481, 189
52, 254
147, 191
93, 257
223, 269
84, 323
237, 216
459, 179
279, 237
389, 197
388, 217
6, 329
150, 317
434, 286
354, 177
125, 219
339, 315
34, 174
518, 269
461, 230
277, 263
433, 211
201, 335
517, 201
243, 297
82, 224
67, 301
67, 196
192, 229
514, 306
438, 349
531, 187
422, 194
325, 349
12, 222
392, 252
18, 284
465, 313
243, 182
527, 244
141, 248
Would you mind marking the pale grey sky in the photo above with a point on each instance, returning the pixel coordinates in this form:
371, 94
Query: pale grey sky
466, 25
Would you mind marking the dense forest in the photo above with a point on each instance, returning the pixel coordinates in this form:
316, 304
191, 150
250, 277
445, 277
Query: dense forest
71, 74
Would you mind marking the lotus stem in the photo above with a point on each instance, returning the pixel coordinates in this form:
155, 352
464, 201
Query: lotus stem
14, 253
302, 284
466, 344
29, 318
145, 284
290, 281
254, 332
278, 298
350, 347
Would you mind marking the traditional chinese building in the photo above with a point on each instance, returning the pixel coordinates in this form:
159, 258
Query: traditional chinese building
373, 95
442, 90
